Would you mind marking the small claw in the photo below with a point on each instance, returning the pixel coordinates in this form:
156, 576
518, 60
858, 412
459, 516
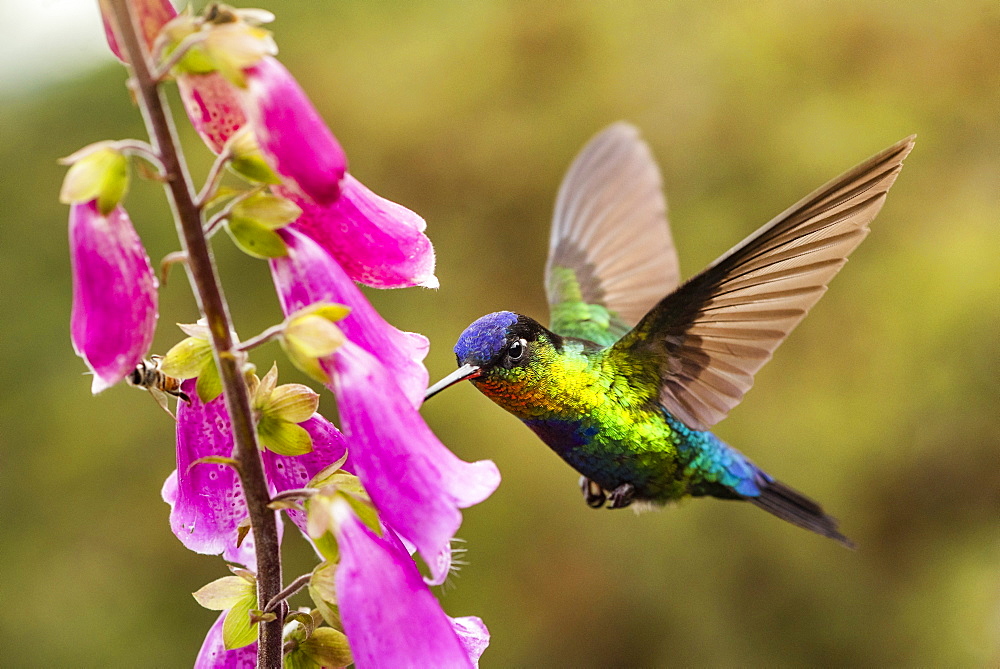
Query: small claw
622, 496
593, 494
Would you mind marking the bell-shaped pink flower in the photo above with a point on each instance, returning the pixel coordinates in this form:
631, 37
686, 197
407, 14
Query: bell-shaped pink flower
114, 293
378, 242
416, 483
213, 653
389, 614
213, 107
151, 15
206, 500
308, 275
291, 132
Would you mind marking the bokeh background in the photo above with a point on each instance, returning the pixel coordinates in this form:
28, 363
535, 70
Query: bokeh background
883, 404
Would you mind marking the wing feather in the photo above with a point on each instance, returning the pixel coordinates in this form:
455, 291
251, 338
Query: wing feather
713, 334
610, 232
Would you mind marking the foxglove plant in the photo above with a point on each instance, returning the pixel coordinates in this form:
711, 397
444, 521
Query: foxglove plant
249, 449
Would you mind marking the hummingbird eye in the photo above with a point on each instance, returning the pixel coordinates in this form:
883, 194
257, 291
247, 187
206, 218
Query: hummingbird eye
516, 350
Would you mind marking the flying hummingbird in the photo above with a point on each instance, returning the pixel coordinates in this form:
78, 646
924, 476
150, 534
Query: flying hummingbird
635, 368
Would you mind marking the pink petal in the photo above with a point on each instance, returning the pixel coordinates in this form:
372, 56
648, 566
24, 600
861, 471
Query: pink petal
213, 106
389, 614
114, 293
293, 472
377, 242
152, 16
308, 275
207, 503
213, 653
291, 132
473, 634
417, 484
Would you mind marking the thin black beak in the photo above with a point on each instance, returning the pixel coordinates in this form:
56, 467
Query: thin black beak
461, 374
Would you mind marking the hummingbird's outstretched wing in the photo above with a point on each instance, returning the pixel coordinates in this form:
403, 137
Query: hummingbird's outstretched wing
611, 256
712, 335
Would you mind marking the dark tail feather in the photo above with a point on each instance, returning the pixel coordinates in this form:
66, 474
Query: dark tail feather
791, 505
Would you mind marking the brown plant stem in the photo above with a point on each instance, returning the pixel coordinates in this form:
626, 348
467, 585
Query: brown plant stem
208, 292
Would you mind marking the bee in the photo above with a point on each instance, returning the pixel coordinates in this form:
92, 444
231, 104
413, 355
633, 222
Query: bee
148, 375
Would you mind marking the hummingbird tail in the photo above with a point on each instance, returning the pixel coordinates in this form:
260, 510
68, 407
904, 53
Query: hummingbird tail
791, 505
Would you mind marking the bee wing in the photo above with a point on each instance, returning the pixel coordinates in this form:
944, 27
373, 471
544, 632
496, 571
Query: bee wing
610, 249
712, 335
162, 400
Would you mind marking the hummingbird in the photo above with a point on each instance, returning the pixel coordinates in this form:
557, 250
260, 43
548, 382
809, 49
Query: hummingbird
635, 367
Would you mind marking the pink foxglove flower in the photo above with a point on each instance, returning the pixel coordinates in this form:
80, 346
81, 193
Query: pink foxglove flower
213, 107
389, 614
376, 241
308, 275
416, 483
213, 653
291, 132
206, 501
151, 15
114, 293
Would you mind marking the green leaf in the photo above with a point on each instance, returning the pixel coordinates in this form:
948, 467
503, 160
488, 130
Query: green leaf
224, 593
237, 630
256, 239
270, 211
282, 437
323, 593
328, 648
292, 402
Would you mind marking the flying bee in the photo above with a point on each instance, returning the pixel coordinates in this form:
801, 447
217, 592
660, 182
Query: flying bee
148, 375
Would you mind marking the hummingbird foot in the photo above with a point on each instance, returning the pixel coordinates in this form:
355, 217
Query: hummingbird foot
622, 496
593, 494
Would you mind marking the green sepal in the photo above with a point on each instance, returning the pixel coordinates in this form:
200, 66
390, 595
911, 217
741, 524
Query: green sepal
216, 460
247, 160
99, 173
187, 358
328, 548
242, 530
327, 647
222, 195
195, 60
292, 402
224, 593
254, 168
329, 310
314, 336
284, 438
263, 388
237, 630
256, 239
271, 211
322, 590
325, 475
209, 383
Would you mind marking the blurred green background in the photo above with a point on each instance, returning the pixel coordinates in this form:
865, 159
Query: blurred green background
883, 405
